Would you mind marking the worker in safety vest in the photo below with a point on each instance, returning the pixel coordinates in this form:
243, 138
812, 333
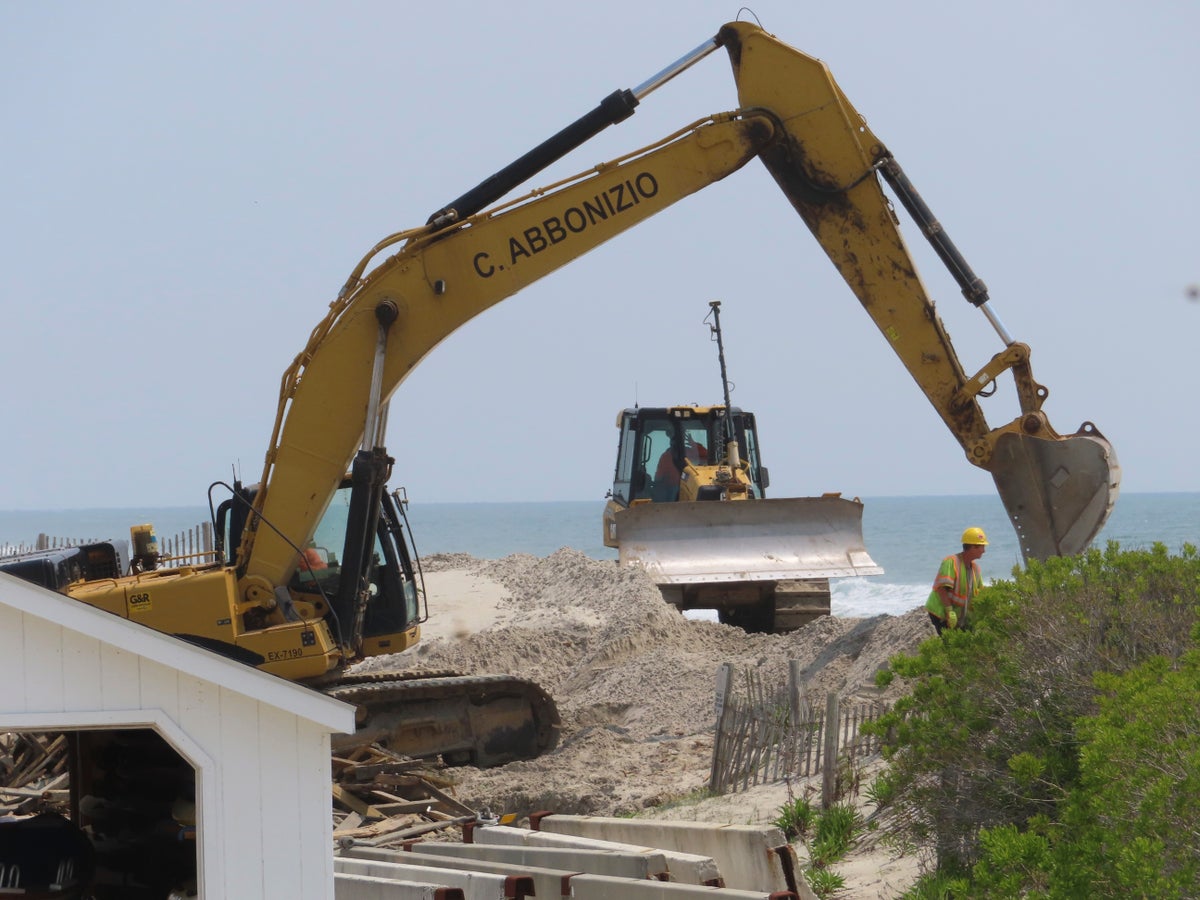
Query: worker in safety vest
958, 582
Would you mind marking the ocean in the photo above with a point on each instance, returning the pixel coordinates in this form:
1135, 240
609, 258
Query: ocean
907, 536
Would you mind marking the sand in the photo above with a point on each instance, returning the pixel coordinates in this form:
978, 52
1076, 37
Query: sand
634, 682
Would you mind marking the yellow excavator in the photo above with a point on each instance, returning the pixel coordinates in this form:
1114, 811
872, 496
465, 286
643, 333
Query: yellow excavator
689, 505
263, 601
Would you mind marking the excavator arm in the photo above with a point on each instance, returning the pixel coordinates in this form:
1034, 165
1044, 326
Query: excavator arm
469, 256
1058, 490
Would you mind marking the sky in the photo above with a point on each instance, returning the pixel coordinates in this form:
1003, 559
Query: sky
187, 185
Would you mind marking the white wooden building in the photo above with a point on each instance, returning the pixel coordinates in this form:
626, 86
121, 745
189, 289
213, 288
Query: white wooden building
259, 745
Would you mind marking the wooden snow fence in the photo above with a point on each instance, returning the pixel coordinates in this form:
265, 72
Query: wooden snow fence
769, 733
193, 547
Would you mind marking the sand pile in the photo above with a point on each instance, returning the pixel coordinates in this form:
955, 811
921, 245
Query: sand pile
634, 680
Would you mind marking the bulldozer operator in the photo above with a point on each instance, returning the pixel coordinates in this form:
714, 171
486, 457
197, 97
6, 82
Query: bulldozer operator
666, 474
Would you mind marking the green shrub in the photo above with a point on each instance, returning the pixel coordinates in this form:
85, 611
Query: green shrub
837, 828
795, 818
1131, 819
939, 886
824, 882
1056, 745
1012, 864
882, 789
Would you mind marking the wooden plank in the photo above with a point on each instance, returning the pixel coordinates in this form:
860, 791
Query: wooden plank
350, 800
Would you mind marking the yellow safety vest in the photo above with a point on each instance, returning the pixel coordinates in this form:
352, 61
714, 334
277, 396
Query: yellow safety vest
964, 589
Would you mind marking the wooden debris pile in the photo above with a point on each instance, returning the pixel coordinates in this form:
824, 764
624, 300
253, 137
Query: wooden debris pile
382, 799
34, 777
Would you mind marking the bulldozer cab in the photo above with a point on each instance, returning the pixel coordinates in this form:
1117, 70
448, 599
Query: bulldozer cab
657, 445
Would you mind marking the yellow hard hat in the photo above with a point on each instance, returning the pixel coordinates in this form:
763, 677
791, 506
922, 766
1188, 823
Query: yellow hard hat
975, 535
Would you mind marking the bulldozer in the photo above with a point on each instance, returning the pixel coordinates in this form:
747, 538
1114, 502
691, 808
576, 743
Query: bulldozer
263, 601
689, 505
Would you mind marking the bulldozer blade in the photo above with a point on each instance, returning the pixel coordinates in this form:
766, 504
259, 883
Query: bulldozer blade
1058, 493
714, 541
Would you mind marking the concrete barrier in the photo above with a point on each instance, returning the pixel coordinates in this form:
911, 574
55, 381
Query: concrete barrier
604, 887
548, 884
687, 868
750, 857
367, 887
475, 885
619, 863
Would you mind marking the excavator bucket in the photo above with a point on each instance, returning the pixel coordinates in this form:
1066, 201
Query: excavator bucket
709, 542
1058, 493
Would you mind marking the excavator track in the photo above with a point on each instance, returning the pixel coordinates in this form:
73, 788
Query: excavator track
478, 720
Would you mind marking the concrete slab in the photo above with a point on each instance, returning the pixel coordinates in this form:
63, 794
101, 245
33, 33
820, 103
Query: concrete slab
750, 857
687, 868
367, 887
603, 887
619, 863
475, 885
547, 883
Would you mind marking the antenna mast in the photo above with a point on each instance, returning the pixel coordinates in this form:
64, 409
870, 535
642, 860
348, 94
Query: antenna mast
731, 446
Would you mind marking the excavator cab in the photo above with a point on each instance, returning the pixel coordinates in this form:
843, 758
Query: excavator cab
391, 578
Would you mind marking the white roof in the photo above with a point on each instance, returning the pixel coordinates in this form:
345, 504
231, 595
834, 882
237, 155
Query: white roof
178, 654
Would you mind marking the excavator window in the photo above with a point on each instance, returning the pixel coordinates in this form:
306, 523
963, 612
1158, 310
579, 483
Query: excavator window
324, 547
395, 607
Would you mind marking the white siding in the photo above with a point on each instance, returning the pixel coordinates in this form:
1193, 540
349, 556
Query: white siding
159, 687
260, 745
241, 839
43, 642
313, 777
13, 672
200, 716
120, 684
82, 686
283, 823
